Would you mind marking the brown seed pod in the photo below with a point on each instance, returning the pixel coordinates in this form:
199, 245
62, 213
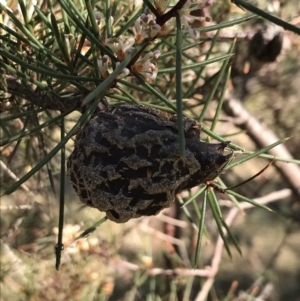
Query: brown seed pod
126, 161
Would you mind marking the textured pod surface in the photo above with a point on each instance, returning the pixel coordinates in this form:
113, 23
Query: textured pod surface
126, 161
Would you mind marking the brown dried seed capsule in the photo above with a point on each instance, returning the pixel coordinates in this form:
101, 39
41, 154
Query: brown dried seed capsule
126, 161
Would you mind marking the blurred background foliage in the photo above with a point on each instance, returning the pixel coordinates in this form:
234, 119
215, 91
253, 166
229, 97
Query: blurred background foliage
149, 258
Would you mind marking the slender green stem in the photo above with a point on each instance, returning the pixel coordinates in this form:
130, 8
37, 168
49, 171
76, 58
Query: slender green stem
191, 89
197, 65
248, 6
201, 229
179, 107
267, 156
4, 118
29, 132
48, 71
216, 84
154, 92
241, 197
218, 219
255, 154
131, 20
91, 229
108, 18
151, 8
226, 24
218, 138
60, 246
221, 100
90, 10
81, 121
186, 212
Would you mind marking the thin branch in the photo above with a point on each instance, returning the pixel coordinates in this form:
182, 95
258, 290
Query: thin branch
263, 137
47, 101
160, 271
220, 243
172, 221
209, 272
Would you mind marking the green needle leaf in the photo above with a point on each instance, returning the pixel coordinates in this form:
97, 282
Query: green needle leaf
178, 88
201, 229
59, 246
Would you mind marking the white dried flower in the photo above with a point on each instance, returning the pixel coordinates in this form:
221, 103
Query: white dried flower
146, 28
187, 18
120, 48
103, 65
124, 72
145, 67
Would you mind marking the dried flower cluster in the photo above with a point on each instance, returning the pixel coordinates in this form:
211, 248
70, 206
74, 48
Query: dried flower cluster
187, 18
146, 28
